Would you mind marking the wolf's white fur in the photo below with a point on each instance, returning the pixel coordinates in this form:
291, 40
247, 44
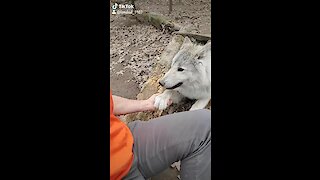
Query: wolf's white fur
195, 60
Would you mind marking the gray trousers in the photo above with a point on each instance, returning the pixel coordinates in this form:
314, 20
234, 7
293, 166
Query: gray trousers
159, 142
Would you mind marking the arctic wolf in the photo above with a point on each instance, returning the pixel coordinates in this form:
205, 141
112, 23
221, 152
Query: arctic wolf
189, 76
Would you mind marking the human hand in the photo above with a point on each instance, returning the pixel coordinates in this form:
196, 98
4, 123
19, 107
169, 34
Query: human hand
149, 103
163, 100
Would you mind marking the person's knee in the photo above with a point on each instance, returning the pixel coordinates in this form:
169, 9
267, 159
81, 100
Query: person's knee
202, 131
204, 112
203, 120
204, 115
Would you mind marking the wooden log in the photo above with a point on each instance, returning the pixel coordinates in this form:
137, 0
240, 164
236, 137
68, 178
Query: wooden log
198, 37
157, 20
162, 22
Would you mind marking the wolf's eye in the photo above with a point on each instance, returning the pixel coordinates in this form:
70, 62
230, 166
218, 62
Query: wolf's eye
180, 69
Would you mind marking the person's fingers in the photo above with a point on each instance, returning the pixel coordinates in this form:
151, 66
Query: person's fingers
155, 95
153, 100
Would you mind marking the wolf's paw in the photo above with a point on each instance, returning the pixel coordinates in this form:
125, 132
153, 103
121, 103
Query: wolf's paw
162, 101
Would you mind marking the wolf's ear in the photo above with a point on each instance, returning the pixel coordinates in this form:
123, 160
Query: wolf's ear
201, 53
187, 42
207, 47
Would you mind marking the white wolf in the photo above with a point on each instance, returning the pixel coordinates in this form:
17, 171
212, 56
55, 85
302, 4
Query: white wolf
189, 76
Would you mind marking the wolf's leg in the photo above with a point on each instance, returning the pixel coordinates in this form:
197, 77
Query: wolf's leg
200, 104
162, 101
176, 97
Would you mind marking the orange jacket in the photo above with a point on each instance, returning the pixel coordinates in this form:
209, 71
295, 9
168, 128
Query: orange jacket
121, 142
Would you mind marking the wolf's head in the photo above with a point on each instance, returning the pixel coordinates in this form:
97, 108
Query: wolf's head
187, 65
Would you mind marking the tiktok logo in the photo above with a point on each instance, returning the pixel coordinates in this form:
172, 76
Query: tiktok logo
114, 8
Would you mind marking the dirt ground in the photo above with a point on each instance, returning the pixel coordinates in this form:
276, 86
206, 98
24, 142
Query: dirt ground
135, 47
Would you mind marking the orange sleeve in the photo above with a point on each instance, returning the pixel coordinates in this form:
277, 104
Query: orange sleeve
121, 142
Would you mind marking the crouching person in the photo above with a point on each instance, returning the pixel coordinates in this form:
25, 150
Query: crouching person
143, 149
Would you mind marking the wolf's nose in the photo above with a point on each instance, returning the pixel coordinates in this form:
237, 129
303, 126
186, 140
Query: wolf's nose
160, 83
